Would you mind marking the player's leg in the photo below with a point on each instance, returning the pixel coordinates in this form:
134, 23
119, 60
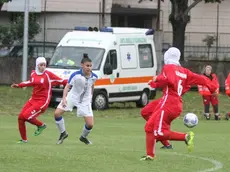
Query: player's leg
215, 102
148, 110
206, 102
86, 112
58, 116
31, 115
149, 137
22, 123
227, 115
162, 130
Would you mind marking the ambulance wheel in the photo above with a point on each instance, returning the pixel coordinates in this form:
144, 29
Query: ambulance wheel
100, 100
144, 99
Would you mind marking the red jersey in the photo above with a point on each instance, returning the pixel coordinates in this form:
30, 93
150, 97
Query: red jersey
178, 79
227, 85
204, 91
42, 85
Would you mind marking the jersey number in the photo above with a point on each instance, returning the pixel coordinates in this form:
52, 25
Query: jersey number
180, 87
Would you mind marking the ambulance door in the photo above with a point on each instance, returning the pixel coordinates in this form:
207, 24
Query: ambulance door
112, 85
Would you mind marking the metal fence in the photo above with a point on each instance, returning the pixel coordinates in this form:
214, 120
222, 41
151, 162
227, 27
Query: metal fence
195, 48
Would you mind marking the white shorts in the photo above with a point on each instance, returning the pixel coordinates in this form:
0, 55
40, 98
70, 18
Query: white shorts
83, 110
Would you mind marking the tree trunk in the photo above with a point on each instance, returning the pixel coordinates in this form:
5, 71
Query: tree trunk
1, 4
179, 27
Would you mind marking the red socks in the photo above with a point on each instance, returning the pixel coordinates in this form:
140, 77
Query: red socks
150, 144
165, 142
171, 135
22, 128
35, 121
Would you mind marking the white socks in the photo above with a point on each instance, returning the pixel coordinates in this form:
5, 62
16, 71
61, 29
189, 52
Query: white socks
60, 124
85, 131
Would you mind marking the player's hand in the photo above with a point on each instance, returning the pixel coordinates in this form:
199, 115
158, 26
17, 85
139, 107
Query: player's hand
64, 102
14, 85
150, 82
154, 78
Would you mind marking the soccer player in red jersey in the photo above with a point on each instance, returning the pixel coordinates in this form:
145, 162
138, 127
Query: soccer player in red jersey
151, 107
207, 96
227, 91
175, 78
41, 80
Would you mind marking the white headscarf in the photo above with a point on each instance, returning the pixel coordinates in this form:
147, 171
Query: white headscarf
39, 60
172, 56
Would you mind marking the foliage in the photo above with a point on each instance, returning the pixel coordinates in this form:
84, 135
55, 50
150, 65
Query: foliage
2, 2
179, 19
14, 31
209, 40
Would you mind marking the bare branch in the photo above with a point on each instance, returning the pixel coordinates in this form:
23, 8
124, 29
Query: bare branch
191, 6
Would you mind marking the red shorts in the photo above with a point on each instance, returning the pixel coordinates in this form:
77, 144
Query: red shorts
213, 99
163, 116
148, 110
30, 111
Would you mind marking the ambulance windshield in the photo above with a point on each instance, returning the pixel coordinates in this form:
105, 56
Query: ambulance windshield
70, 57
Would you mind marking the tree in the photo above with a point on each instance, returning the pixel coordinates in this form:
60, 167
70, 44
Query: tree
179, 19
209, 41
2, 2
17, 27
14, 31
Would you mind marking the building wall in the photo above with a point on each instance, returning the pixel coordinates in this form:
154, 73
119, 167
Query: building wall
85, 12
203, 22
58, 24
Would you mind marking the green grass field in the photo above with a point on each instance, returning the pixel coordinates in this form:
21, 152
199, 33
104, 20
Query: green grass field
118, 141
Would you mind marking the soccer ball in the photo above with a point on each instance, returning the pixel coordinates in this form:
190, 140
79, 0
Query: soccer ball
190, 120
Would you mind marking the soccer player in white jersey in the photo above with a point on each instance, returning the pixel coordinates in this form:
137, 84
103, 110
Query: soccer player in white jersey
81, 84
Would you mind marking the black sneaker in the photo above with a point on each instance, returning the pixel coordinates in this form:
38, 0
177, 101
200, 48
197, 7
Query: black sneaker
217, 117
226, 116
85, 140
167, 147
62, 137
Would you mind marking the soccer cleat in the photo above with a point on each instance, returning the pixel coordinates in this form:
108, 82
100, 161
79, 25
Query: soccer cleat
207, 116
39, 130
22, 141
85, 140
146, 158
226, 116
167, 147
217, 117
189, 141
62, 137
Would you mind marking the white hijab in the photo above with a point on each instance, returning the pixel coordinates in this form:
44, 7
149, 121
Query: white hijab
39, 60
172, 56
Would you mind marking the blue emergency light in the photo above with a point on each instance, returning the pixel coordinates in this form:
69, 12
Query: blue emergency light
149, 32
105, 29
81, 28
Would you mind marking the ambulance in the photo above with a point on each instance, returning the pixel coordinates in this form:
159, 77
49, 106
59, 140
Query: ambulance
123, 58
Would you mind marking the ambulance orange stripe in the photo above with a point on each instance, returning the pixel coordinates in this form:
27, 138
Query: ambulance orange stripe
130, 80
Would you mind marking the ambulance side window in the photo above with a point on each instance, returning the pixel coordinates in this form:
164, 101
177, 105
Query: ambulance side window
112, 58
145, 55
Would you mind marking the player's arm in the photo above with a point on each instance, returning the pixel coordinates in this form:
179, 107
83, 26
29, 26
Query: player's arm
216, 82
28, 83
92, 89
162, 78
195, 79
65, 91
55, 80
158, 84
186, 89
